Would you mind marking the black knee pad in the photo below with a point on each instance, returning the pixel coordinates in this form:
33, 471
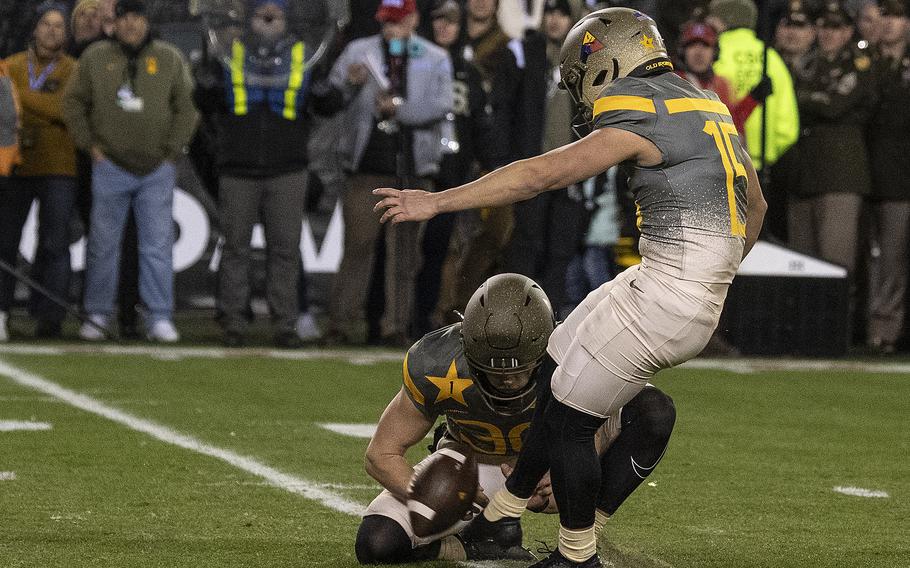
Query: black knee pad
381, 540
653, 411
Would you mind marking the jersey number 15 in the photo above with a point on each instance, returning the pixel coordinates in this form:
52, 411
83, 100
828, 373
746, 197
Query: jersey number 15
721, 131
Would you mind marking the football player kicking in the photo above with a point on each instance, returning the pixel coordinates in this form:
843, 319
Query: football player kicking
700, 209
485, 375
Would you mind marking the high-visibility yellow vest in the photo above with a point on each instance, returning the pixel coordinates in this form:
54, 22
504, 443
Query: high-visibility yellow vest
740, 62
295, 80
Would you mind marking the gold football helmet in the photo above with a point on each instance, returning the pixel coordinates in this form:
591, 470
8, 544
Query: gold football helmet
604, 46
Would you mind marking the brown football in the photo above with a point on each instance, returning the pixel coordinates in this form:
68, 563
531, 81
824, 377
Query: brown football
442, 492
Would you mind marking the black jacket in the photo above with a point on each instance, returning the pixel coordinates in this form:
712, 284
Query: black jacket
473, 127
835, 100
261, 143
889, 129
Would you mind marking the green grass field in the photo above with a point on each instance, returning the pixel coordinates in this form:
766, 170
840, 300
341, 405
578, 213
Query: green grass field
188, 459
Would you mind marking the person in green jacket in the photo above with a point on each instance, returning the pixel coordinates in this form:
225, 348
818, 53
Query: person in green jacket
130, 105
740, 61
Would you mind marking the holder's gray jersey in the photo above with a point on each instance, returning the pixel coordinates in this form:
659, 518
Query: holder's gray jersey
691, 206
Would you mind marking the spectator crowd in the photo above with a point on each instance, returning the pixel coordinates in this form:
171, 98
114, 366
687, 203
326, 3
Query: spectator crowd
97, 113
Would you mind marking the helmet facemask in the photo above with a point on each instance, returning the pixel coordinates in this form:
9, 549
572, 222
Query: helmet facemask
507, 387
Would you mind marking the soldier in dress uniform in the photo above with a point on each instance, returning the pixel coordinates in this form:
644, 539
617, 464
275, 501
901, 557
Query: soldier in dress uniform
889, 146
835, 101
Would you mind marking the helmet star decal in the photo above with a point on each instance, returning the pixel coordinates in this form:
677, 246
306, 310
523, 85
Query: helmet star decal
647, 42
589, 45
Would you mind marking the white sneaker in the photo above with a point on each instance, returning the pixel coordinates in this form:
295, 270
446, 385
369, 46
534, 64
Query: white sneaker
89, 332
307, 330
4, 333
163, 331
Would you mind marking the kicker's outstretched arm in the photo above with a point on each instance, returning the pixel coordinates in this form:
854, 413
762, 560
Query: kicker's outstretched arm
559, 168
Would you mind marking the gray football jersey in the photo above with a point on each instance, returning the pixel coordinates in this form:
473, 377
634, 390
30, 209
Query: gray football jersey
691, 206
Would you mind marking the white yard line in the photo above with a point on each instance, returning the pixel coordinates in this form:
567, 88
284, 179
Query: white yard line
746, 366
860, 492
17, 425
354, 356
276, 478
352, 430
368, 356
7, 476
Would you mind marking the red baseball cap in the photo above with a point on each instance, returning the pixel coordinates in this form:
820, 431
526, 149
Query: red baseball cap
395, 10
698, 31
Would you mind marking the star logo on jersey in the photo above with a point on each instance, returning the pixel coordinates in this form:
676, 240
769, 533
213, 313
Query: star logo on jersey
451, 386
589, 45
646, 42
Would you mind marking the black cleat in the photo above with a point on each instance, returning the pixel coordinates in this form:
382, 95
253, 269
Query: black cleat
557, 560
505, 533
489, 550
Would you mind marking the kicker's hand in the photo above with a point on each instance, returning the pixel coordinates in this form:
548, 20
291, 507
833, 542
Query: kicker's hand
399, 205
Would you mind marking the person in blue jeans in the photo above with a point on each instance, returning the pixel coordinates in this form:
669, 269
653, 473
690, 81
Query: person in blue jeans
114, 191
130, 105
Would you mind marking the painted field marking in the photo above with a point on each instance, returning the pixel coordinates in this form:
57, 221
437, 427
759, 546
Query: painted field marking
352, 430
343, 486
274, 477
17, 425
353, 356
7, 476
860, 492
370, 356
365, 431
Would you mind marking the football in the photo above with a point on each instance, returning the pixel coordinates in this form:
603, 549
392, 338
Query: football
442, 490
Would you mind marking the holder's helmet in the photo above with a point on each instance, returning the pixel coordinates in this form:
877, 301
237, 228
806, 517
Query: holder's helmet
604, 46
507, 323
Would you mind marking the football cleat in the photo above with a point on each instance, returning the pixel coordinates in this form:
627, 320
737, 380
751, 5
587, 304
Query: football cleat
557, 560
505, 533
489, 550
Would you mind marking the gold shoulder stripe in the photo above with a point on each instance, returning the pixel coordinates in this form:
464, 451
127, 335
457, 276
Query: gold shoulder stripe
623, 102
689, 105
409, 383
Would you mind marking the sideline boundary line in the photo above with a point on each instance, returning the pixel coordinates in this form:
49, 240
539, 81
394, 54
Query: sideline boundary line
368, 356
299, 486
